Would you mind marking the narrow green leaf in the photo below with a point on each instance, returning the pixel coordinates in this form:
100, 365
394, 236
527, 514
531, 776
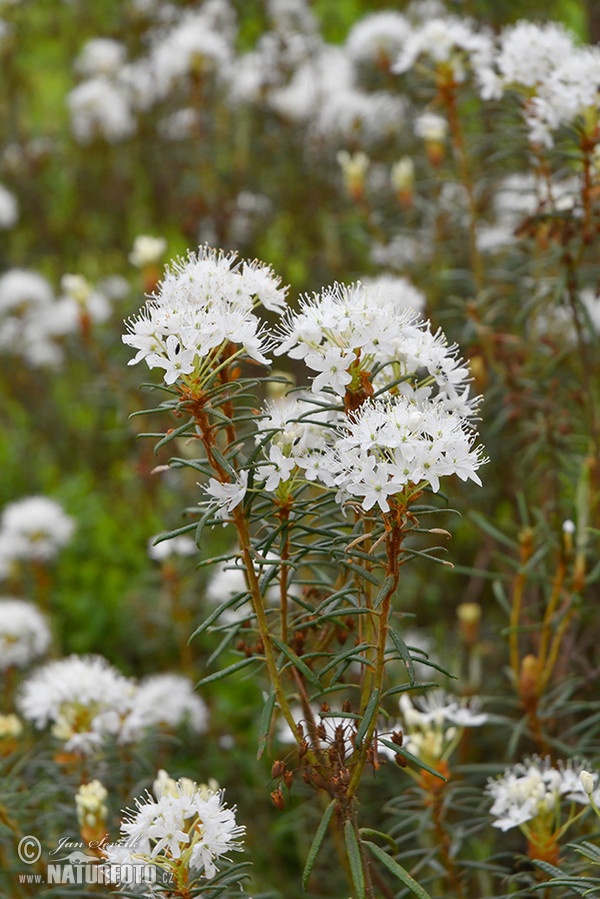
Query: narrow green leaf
361, 572
404, 688
185, 529
225, 672
368, 717
347, 655
297, 662
400, 750
384, 590
489, 528
265, 724
172, 435
355, 859
369, 832
397, 870
216, 614
315, 846
403, 652
222, 461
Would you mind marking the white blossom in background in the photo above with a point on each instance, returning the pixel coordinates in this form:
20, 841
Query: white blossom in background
163, 702
393, 290
449, 42
101, 56
568, 94
9, 208
525, 56
24, 633
431, 127
432, 726
533, 792
228, 582
175, 546
35, 528
27, 319
204, 303
147, 250
313, 83
351, 115
79, 298
378, 39
84, 698
185, 826
100, 108
200, 43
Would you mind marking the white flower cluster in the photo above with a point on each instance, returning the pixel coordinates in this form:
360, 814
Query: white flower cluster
105, 105
396, 443
378, 39
9, 208
163, 701
185, 827
87, 701
432, 726
35, 528
448, 42
346, 332
556, 78
534, 790
204, 303
33, 322
24, 633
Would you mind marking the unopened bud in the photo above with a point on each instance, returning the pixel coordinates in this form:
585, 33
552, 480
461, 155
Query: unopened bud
354, 168
432, 128
587, 782
402, 176
469, 616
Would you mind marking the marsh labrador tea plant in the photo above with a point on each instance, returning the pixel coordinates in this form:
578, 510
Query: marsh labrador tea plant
324, 487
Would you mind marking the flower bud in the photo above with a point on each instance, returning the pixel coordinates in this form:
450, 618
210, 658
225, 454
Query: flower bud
354, 168
587, 782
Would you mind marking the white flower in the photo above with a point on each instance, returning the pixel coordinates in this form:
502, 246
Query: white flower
533, 789
527, 54
448, 41
101, 56
203, 304
390, 445
83, 697
346, 331
431, 127
378, 38
433, 725
277, 471
100, 108
185, 825
228, 495
147, 250
163, 701
9, 209
21, 289
24, 633
36, 528
175, 546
